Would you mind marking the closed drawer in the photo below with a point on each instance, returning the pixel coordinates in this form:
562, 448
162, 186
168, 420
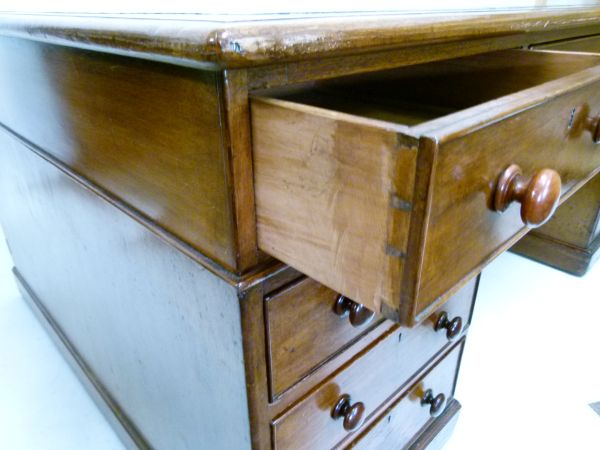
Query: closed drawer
371, 377
400, 423
386, 187
304, 330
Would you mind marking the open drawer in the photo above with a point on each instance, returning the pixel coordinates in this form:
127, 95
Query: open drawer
387, 187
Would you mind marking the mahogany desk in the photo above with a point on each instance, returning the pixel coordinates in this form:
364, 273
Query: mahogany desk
267, 231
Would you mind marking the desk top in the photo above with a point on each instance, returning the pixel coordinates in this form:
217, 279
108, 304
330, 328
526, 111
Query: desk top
226, 41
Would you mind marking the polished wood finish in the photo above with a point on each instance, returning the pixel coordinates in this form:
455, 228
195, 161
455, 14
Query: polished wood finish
353, 414
538, 195
127, 152
126, 288
359, 191
435, 435
561, 255
396, 426
357, 314
120, 423
236, 138
453, 326
380, 371
588, 44
436, 403
304, 331
226, 41
105, 117
569, 241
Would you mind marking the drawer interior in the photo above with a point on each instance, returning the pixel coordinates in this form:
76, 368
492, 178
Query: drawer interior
413, 95
380, 186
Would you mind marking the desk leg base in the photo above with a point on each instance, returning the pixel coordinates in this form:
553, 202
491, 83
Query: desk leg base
126, 431
568, 258
437, 433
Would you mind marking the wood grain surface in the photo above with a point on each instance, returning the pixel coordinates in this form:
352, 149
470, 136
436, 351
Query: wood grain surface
148, 133
371, 378
406, 417
419, 201
231, 41
160, 334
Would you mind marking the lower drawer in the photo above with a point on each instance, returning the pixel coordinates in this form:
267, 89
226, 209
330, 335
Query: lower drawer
414, 410
371, 378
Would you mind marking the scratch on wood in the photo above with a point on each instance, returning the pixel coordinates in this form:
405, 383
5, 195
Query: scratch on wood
393, 251
399, 203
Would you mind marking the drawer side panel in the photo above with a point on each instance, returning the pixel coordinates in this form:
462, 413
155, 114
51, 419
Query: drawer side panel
333, 197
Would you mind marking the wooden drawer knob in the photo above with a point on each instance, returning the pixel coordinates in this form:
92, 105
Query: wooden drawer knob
538, 196
453, 327
359, 314
437, 403
353, 415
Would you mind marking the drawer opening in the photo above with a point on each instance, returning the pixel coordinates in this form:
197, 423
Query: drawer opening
416, 94
381, 186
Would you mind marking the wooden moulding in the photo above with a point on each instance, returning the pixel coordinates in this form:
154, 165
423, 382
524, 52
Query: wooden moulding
230, 41
390, 205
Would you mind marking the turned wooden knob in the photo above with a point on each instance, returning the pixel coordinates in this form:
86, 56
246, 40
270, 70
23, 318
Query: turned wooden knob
581, 120
359, 314
538, 196
453, 327
437, 403
353, 415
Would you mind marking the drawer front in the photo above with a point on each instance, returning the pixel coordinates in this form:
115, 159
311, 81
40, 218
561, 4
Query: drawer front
391, 195
532, 132
407, 416
149, 133
371, 377
304, 331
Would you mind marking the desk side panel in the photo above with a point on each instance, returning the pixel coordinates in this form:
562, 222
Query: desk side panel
148, 133
161, 334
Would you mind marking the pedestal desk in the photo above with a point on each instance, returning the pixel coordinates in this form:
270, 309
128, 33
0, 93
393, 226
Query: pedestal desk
267, 231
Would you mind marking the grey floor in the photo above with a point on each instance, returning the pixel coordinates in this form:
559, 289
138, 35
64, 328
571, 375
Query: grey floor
530, 369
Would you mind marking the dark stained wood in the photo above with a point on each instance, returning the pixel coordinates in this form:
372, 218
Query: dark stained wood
569, 241
322, 154
358, 315
436, 434
236, 128
452, 326
435, 402
148, 133
353, 415
406, 416
538, 195
460, 305
558, 254
590, 44
157, 331
254, 343
231, 40
372, 377
577, 221
120, 423
304, 332
336, 66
